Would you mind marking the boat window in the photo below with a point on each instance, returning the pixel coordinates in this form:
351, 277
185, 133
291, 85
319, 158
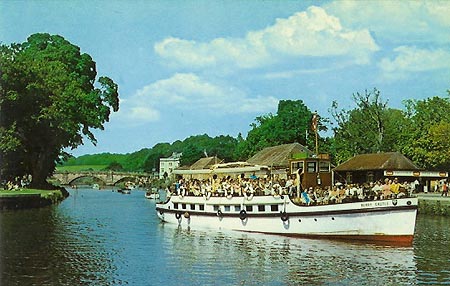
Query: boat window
295, 166
237, 208
274, 208
261, 208
227, 208
249, 208
202, 207
192, 207
216, 208
311, 167
324, 167
183, 206
175, 205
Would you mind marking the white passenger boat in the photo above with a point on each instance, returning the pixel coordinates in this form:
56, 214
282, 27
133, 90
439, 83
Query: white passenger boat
390, 221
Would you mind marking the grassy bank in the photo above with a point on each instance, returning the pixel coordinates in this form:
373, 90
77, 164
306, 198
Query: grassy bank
52, 195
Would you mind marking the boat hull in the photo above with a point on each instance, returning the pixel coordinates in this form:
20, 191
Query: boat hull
390, 221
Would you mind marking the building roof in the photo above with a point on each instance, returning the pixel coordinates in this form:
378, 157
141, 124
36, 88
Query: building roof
378, 161
278, 156
205, 163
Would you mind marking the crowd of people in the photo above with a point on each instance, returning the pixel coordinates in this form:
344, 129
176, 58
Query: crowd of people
16, 183
275, 186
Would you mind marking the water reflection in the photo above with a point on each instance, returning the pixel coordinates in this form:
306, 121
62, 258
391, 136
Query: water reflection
253, 259
106, 238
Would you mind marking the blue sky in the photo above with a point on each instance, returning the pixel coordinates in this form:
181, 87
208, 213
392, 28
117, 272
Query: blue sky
193, 67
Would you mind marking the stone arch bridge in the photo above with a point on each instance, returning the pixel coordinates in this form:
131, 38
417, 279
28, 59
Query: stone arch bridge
108, 178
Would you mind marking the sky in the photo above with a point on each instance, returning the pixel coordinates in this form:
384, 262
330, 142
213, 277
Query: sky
211, 67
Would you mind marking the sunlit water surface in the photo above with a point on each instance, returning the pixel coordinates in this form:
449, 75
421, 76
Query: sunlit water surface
107, 238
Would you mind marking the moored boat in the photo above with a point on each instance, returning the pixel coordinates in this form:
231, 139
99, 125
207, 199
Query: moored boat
389, 220
152, 195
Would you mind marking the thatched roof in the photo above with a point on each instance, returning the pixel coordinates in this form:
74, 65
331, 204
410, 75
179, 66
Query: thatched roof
205, 163
379, 161
278, 156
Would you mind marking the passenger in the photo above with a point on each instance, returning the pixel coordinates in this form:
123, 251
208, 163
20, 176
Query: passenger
377, 190
305, 197
395, 187
444, 189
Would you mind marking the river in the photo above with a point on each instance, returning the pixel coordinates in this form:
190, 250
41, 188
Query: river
107, 238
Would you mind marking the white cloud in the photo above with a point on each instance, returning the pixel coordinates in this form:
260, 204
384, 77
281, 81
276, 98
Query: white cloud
415, 21
190, 93
412, 59
312, 33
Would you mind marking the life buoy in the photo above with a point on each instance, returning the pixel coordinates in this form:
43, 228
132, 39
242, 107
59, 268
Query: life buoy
242, 214
219, 213
187, 215
284, 216
177, 215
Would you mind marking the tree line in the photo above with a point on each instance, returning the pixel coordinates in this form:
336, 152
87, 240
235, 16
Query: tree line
51, 99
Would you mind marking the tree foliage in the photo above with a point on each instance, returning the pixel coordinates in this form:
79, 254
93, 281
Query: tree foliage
290, 124
426, 138
371, 127
193, 148
49, 101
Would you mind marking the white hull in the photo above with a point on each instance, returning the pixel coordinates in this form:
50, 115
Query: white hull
387, 220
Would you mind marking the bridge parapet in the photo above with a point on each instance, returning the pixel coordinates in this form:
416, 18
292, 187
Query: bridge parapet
110, 178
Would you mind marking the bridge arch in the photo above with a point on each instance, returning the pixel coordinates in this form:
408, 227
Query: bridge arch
71, 182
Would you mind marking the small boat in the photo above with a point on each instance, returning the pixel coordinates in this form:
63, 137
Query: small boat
152, 195
389, 221
125, 191
96, 186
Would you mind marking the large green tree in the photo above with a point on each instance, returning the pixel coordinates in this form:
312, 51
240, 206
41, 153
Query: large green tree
49, 100
370, 127
291, 123
426, 138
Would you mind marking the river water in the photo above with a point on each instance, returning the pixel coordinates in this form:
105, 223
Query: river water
107, 238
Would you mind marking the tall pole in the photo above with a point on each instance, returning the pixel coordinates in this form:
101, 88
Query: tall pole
314, 124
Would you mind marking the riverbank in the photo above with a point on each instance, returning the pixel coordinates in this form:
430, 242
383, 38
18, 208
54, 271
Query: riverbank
30, 198
434, 204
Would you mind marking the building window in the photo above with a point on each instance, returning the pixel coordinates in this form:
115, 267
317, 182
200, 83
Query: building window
370, 176
349, 177
311, 167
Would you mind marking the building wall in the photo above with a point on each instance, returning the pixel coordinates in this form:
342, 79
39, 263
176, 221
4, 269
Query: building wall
167, 165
